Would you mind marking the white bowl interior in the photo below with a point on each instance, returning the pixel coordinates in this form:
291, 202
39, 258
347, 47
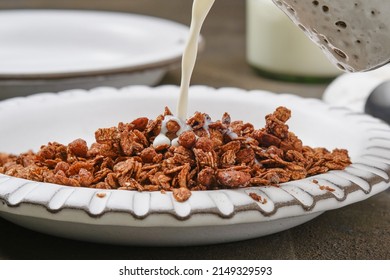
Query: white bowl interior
28, 123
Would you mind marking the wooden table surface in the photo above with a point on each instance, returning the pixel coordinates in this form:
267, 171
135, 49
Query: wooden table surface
358, 231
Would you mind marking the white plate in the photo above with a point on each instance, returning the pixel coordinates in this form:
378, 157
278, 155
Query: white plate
144, 218
55, 50
37, 43
352, 90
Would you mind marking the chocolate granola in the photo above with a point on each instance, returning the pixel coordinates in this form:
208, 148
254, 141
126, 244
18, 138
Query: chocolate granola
208, 155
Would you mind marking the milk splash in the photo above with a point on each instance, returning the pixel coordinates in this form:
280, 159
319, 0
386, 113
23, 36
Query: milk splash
200, 9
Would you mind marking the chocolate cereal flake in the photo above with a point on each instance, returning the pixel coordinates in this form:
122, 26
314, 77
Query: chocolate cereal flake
210, 155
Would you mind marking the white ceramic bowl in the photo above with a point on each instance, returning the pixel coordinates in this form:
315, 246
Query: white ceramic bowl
153, 218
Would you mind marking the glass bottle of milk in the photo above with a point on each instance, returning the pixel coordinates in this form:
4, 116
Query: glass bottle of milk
277, 48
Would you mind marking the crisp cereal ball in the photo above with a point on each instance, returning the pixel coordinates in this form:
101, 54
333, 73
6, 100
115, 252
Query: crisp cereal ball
233, 178
206, 177
140, 123
187, 139
205, 144
78, 147
62, 165
148, 154
173, 126
181, 194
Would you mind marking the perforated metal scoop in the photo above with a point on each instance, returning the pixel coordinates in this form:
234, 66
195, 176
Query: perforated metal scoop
354, 34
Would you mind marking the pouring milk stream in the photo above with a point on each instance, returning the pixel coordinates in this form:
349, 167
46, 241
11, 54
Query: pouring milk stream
354, 34
200, 9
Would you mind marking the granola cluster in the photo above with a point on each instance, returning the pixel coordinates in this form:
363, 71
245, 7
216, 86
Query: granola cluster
207, 156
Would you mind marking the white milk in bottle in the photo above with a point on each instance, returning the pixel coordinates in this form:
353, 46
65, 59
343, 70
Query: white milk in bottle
277, 48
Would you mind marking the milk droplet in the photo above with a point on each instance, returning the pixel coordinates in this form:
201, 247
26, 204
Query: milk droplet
175, 142
161, 139
232, 134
